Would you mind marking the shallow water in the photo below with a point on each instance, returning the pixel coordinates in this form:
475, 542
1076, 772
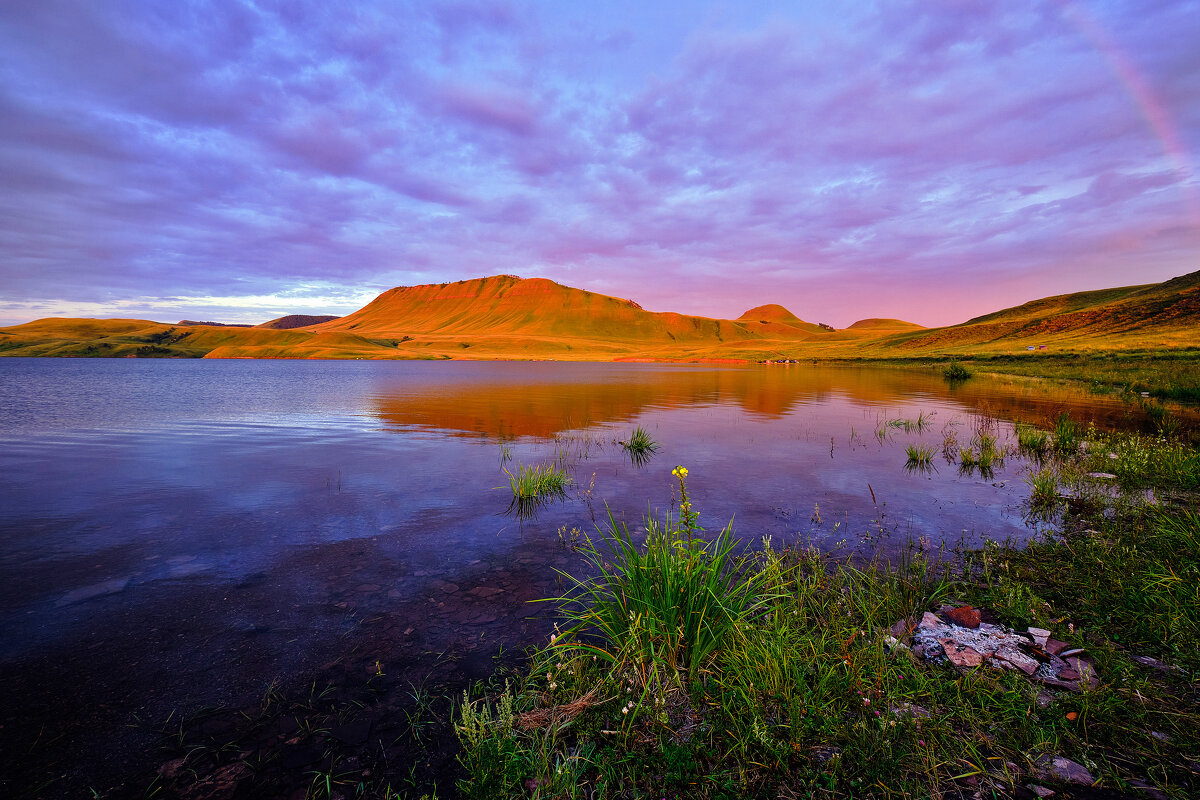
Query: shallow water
188, 531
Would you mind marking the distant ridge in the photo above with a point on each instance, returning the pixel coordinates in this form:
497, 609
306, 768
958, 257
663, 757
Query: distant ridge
190, 322
292, 321
878, 324
507, 317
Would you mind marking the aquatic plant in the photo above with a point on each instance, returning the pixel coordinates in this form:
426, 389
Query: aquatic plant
640, 446
955, 371
1043, 488
533, 487
1065, 435
920, 456
1032, 441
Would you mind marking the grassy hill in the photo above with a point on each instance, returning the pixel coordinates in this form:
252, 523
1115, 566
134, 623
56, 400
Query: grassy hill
506, 317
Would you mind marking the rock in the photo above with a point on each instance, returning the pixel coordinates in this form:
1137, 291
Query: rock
904, 627
931, 622
1018, 659
1154, 663
966, 616
1104, 476
171, 769
1057, 768
960, 655
1148, 790
1043, 699
1072, 651
1162, 737
1041, 791
894, 644
906, 709
1039, 635
1054, 646
484, 591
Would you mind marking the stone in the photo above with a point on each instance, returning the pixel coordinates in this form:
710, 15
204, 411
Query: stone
1148, 790
1018, 659
1058, 768
894, 644
1041, 791
931, 622
1043, 699
904, 627
485, 591
1104, 476
1054, 646
1039, 635
906, 709
960, 655
966, 616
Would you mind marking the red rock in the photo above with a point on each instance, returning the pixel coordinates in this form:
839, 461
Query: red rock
1054, 646
960, 655
965, 616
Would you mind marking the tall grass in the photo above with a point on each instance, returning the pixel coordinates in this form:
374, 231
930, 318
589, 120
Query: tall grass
670, 602
1031, 441
1065, 435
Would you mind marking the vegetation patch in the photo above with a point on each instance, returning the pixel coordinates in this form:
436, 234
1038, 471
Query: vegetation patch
783, 673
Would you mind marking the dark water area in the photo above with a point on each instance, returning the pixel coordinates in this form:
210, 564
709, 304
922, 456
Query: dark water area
176, 535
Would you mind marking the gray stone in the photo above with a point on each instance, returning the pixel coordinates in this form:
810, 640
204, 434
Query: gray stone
1059, 768
1039, 635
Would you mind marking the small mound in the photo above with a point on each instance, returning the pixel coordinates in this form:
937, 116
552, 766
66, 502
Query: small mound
295, 321
877, 324
772, 312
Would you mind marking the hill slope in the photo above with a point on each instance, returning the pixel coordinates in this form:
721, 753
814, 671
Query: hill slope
505, 317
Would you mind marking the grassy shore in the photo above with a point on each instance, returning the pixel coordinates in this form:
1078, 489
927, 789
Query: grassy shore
690, 670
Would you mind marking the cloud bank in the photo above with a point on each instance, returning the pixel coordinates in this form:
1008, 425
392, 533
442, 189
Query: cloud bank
929, 160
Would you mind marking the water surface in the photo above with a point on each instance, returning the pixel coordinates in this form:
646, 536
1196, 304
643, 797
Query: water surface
185, 532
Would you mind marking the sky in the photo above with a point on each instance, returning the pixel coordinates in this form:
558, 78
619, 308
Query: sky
928, 160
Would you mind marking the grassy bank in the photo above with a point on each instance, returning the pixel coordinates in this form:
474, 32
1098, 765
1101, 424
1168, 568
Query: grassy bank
1166, 375
690, 670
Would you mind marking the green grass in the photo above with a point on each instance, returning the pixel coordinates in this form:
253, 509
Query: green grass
533, 487
795, 692
1032, 442
1043, 488
956, 372
920, 456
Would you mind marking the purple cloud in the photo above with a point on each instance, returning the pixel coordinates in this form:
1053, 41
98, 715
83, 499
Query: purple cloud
845, 162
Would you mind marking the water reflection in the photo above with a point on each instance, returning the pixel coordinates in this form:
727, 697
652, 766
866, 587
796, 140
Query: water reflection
507, 401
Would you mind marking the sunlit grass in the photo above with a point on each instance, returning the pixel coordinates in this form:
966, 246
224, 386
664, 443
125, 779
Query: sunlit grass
535, 486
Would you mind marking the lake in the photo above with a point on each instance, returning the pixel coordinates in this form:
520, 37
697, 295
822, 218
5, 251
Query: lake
180, 534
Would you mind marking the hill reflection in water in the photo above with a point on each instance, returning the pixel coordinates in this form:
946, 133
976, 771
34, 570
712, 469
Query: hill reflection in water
508, 401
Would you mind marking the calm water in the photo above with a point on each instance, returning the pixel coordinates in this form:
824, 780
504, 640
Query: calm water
188, 531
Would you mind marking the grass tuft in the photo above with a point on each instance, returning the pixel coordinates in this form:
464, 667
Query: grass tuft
534, 487
956, 372
640, 446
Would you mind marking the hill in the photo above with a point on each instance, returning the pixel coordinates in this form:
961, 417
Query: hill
295, 321
506, 317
